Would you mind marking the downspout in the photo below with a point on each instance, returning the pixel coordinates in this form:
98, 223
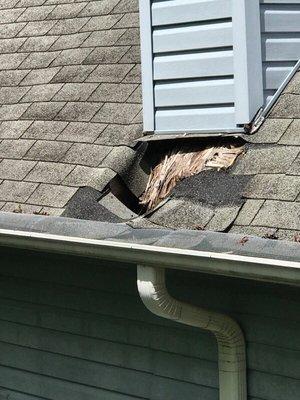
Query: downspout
231, 345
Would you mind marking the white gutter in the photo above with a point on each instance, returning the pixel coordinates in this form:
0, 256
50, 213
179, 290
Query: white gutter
231, 344
226, 264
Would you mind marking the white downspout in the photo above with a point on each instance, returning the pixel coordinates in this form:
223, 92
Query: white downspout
230, 339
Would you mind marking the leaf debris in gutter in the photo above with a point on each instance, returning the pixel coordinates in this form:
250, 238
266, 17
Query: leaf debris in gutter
182, 163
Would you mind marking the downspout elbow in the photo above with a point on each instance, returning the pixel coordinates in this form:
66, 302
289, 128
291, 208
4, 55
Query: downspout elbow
231, 345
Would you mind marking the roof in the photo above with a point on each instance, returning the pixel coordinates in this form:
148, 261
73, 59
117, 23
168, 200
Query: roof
70, 91
200, 251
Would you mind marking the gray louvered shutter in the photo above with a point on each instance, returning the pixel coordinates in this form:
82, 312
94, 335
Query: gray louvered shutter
201, 64
280, 26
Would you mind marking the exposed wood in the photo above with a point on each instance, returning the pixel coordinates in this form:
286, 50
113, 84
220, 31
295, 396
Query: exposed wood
183, 162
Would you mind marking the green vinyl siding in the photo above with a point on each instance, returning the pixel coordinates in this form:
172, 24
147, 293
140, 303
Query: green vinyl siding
75, 329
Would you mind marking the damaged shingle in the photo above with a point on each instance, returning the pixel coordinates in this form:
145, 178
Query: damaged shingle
213, 188
183, 162
84, 205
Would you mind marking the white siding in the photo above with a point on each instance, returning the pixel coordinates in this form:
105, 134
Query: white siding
192, 71
193, 65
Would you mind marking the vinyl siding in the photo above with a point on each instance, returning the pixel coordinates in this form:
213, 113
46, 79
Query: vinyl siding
280, 30
76, 329
192, 64
204, 61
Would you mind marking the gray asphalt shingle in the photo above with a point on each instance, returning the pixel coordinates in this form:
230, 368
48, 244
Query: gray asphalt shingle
51, 195
16, 191
86, 154
13, 129
279, 214
48, 130
44, 150
15, 169
82, 132
96, 178
48, 172
15, 148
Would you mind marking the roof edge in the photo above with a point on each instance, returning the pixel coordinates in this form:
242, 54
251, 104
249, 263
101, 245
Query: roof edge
206, 252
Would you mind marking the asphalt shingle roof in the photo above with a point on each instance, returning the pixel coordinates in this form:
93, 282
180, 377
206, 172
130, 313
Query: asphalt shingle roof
70, 95
69, 92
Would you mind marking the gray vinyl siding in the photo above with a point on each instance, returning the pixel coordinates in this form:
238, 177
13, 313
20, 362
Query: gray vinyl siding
210, 65
201, 65
280, 29
75, 329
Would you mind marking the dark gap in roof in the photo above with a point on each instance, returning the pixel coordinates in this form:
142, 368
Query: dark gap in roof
158, 149
121, 191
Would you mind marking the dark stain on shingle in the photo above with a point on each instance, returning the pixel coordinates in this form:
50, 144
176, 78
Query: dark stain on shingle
213, 188
84, 205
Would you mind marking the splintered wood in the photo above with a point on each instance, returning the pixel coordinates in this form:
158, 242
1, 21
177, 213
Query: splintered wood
182, 163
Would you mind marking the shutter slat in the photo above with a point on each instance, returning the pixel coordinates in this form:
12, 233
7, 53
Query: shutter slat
281, 49
194, 93
280, 20
193, 65
192, 37
280, 1
280, 26
180, 11
189, 120
274, 76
